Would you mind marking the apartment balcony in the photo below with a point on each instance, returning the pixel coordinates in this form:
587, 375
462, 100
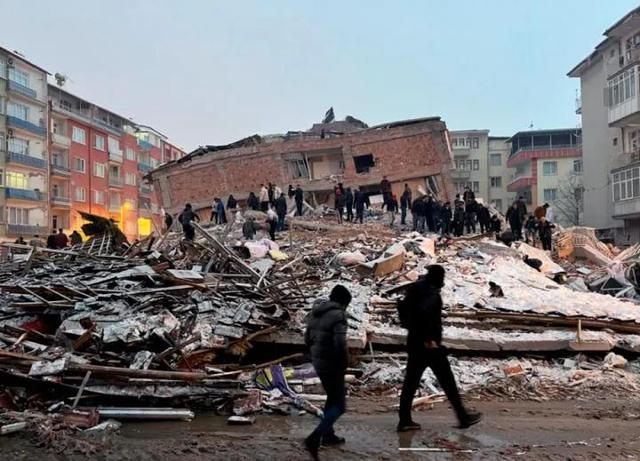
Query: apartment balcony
115, 155
115, 181
26, 125
145, 190
22, 90
144, 167
146, 145
61, 201
60, 170
461, 151
624, 159
520, 182
60, 140
21, 159
460, 174
24, 194
25, 230
525, 154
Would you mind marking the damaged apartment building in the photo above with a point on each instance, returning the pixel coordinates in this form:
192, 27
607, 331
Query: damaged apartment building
416, 152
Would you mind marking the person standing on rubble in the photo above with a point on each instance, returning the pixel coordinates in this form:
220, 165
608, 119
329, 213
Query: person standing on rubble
421, 314
76, 238
299, 199
62, 241
392, 208
405, 203
221, 213
281, 211
253, 203
326, 337
291, 192
232, 209
20, 240
168, 221
264, 198
446, 214
545, 229
272, 223
359, 200
51, 240
515, 220
339, 201
522, 209
417, 210
385, 188
348, 201
429, 211
530, 228
271, 190
458, 219
186, 218
495, 225
483, 218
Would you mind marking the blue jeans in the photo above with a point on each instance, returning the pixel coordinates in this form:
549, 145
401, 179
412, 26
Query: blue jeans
280, 227
335, 405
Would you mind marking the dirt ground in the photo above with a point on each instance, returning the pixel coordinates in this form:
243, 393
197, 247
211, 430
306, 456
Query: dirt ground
594, 430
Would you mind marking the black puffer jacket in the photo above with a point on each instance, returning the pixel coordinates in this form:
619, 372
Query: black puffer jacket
423, 307
326, 337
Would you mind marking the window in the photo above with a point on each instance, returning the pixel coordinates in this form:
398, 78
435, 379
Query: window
3, 67
130, 179
80, 194
1, 105
98, 197
79, 135
495, 159
98, 169
550, 168
17, 180
577, 166
79, 165
634, 139
460, 141
114, 145
18, 146
17, 110
476, 187
131, 155
550, 195
19, 76
578, 193
18, 216
476, 165
621, 88
469, 165
473, 142
498, 204
98, 142
615, 141
363, 163
626, 184
496, 181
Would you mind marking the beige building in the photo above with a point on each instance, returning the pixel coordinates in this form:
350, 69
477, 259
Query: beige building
480, 163
610, 110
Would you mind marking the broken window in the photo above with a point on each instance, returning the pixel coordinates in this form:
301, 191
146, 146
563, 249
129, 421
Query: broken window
299, 169
364, 163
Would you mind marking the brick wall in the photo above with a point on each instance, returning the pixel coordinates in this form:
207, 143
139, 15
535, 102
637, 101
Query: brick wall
403, 153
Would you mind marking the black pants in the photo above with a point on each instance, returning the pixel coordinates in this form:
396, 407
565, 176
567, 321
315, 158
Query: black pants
349, 213
264, 206
437, 360
340, 212
458, 228
334, 407
546, 243
446, 227
298, 208
189, 231
517, 231
272, 229
359, 214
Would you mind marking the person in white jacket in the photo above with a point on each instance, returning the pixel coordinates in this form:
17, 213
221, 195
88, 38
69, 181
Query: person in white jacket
264, 198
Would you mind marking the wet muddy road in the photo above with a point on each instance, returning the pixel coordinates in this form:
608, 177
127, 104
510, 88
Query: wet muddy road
574, 430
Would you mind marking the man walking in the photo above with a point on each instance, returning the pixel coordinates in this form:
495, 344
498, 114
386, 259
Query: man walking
392, 208
515, 220
348, 201
326, 337
405, 203
446, 214
421, 313
483, 218
359, 199
385, 188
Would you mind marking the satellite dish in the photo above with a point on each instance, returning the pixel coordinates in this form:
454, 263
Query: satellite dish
61, 79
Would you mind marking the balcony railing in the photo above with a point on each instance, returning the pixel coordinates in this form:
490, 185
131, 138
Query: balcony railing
144, 166
22, 89
115, 181
60, 200
145, 190
26, 125
59, 168
460, 174
25, 229
60, 139
24, 194
115, 155
146, 145
22, 159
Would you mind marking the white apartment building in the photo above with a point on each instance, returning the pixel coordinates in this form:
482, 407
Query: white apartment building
24, 159
610, 111
480, 163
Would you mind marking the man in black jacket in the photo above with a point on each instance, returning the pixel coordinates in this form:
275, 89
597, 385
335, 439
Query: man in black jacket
326, 337
299, 198
446, 214
281, 211
348, 200
421, 313
186, 218
483, 218
360, 200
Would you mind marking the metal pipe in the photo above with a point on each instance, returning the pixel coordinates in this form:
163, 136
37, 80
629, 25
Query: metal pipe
145, 413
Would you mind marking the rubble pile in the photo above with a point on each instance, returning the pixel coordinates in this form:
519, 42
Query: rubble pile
166, 326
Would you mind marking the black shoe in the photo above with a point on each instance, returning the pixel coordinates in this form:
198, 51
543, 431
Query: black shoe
470, 420
313, 445
332, 439
408, 426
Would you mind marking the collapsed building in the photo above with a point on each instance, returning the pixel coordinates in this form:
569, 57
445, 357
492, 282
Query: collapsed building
416, 152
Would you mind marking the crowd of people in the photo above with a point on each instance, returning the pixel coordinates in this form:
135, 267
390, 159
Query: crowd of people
531, 228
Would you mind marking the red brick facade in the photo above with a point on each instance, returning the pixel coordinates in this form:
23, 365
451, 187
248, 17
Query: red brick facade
405, 152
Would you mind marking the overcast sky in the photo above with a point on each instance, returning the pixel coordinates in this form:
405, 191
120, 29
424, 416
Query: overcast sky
211, 72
